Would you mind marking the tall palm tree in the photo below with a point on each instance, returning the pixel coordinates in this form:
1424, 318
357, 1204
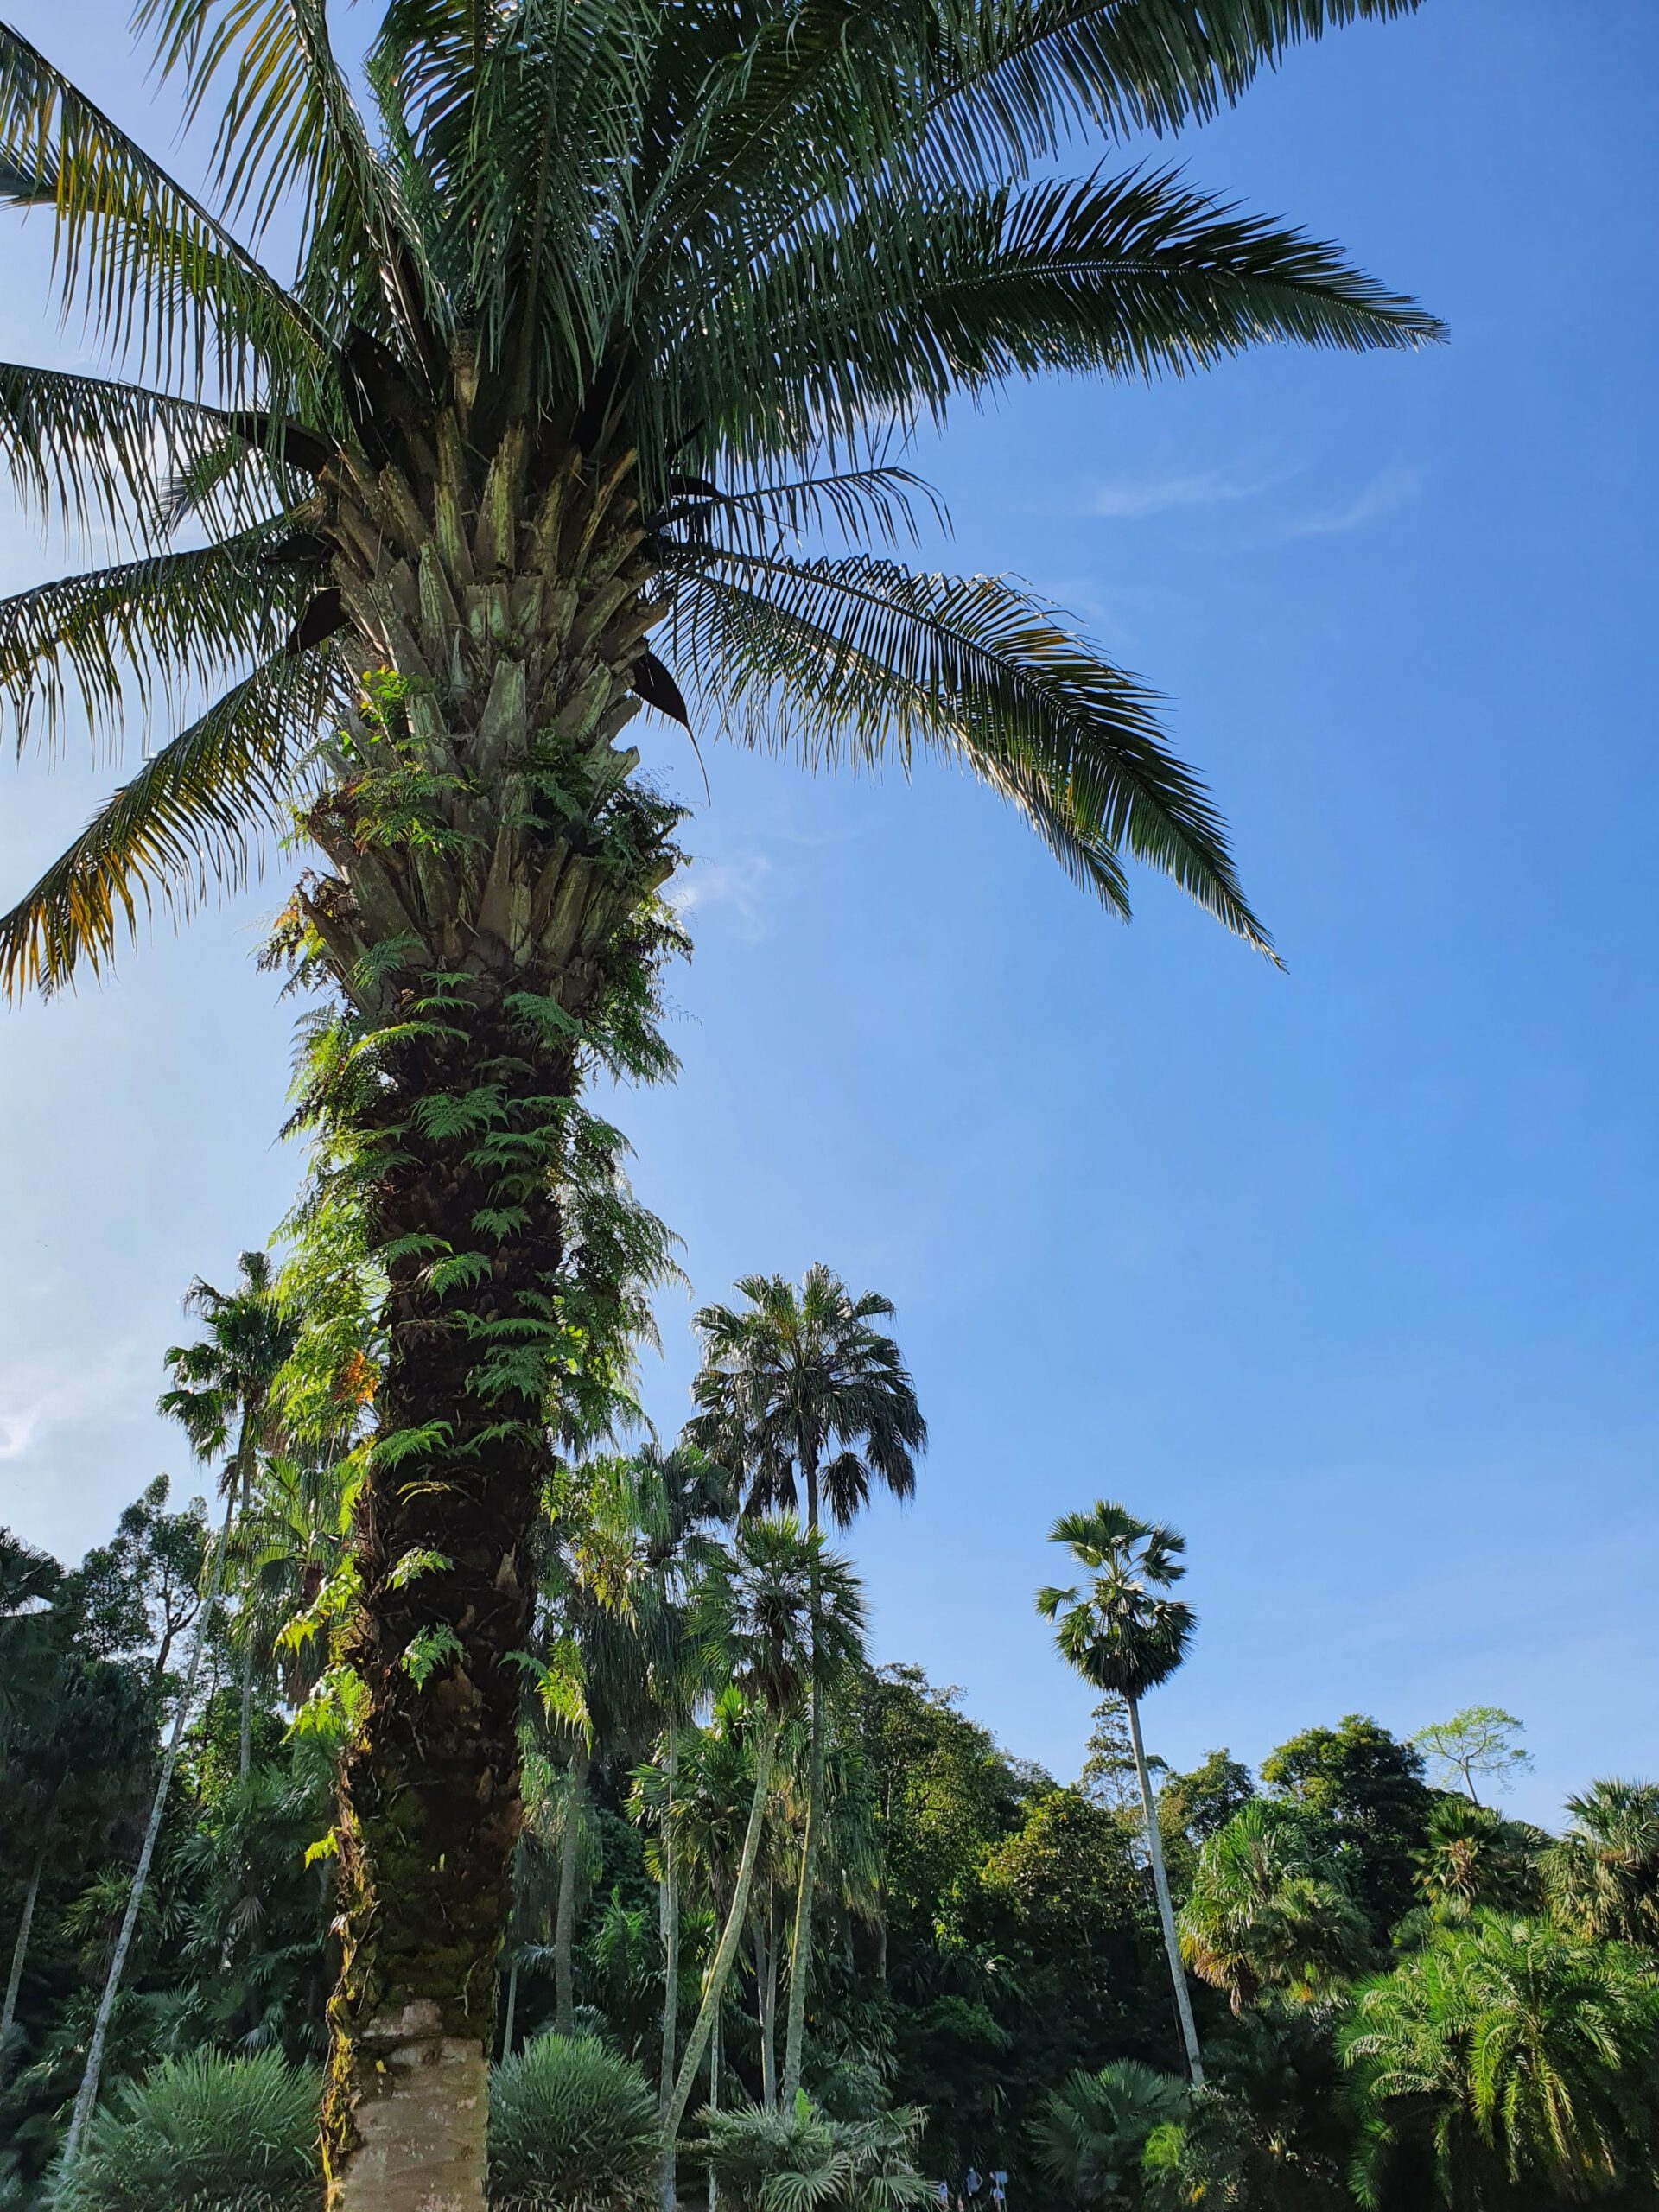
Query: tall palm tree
595, 308
780, 1612
1268, 1909
1514, 2056
1125, 1635
805, 1397
222, 1398
1603, 1875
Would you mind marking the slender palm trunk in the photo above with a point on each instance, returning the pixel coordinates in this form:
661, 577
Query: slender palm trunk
86, 2098
800, 1955
245, 1737
668, 1904
1166, 1914
564, 1924
19, 1953
731, 1935
715, 2040
494, 869
512, 2007
766, 1999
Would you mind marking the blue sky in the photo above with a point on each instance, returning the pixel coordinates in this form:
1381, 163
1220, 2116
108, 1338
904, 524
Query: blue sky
1350, 1271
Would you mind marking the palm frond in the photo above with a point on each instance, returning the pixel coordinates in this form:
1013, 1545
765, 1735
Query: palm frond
914, 299
154, 624
863, 658
881, 503
102, 454
191, 817
155, 275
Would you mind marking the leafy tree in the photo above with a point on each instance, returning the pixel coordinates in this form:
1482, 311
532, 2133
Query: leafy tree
1125, 1635
1193, 1806
1108, 1776
140, 1592
1369, 1790
591, 309
1269, 1908
1478, 1741
808, 1401
1510, 2054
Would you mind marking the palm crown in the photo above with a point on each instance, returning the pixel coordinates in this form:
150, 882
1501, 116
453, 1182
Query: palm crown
1119, 1631
614, 299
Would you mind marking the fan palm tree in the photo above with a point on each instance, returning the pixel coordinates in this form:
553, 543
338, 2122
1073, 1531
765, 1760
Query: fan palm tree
780, 1612
222, 1398
1521, 2055
1603, 1875
1268, 1909
594, 309
1125, 1635
809, 1401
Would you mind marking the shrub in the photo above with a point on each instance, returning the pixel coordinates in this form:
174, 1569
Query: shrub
202, 2134
799, 2160
1091, 2132
573, 2128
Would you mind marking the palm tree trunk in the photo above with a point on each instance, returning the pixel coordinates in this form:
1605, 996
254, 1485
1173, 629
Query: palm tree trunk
731, 1935
245, 1737
19, 1953
670, 1904
512, 2007
1161, 1883
800, 1954
86, 2098
498, 623
714, 2040
564, 1924
767, 1998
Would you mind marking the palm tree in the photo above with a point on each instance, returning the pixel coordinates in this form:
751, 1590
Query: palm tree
1603, 1875
803, 1396
1092, 2132
782, 1614
1514, 2055
1124, 1636
222, 1398
1268, 1909
593, 310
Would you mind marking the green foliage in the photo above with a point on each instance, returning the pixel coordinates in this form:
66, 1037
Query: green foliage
1511, 2054
1092, 2134
1368, 1788
798, 2159
573, 2128
1475, 1745
1269, 1908
203, 2134
1119, 1631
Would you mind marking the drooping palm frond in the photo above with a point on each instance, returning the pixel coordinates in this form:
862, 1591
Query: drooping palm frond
191, 817
155, 275
151, 625
862, 658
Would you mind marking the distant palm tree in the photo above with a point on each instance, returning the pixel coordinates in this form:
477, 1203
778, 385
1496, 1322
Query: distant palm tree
1472, 1856
222, 1397
598, 312
1125, 1635
1268, 1909
782, 1614
1514, 2056
1090, 2133
1603, 1875
809, 1402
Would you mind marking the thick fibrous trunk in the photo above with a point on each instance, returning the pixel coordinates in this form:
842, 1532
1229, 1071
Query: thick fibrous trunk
491, 909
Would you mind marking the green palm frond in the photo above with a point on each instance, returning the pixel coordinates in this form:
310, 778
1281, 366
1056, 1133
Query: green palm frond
190, 818
154, 274
881, 503
101, 453
153, 625
862, 658
913, 299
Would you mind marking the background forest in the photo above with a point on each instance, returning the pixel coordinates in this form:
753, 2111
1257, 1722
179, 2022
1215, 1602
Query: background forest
1398, 1992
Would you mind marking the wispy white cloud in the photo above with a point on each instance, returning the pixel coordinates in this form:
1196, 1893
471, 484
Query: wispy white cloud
735, 887
1390, 489
36, 1398
1134, 500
